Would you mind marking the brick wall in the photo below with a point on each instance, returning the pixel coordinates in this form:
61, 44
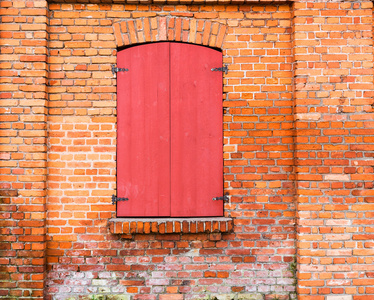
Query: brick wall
258, 95
298, 142
23, 96
333, 49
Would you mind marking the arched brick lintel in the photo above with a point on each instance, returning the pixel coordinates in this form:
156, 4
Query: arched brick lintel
201, 32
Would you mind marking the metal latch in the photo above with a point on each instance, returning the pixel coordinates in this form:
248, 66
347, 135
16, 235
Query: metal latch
116, 199
224, 198
222, 69
116, 70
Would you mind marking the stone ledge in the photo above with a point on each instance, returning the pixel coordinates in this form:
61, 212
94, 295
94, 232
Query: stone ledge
130, 226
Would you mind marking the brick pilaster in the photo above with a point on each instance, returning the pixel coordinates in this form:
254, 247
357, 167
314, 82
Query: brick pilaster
23, 148
333, 106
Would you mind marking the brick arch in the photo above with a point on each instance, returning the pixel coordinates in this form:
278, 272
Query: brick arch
201, 32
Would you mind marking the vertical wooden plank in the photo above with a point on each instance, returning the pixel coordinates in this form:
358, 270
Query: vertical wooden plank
143, 131
196, 131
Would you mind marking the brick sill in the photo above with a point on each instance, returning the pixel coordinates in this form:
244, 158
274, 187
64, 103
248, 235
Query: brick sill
214, 226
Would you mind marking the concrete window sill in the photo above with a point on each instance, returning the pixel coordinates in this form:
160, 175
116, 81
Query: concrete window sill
214, 226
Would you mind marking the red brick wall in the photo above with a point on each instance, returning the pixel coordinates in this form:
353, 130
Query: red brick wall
258, 155
23, 97
333, 49
298, 151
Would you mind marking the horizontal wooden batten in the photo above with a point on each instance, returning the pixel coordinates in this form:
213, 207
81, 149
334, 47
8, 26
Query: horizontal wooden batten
130, 226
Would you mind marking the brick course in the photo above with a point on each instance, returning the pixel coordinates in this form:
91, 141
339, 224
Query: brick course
298, 141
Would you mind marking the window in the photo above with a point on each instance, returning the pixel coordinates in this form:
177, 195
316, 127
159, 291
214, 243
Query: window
169, 131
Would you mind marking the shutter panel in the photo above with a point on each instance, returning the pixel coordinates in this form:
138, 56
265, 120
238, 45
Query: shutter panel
196, 131
143, 150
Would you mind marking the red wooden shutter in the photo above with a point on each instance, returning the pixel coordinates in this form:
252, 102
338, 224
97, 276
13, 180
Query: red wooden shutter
196, 131
169, 152
143, 126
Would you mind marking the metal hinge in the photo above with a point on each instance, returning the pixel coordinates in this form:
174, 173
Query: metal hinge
116, 70
222, 69
224, 198
115, 199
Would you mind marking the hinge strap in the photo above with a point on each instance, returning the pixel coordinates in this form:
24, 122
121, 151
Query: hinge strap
222, 69
115, 199
116, 70
224, 198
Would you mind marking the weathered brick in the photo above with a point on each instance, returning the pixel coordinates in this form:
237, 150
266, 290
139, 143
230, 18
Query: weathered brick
297, 127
